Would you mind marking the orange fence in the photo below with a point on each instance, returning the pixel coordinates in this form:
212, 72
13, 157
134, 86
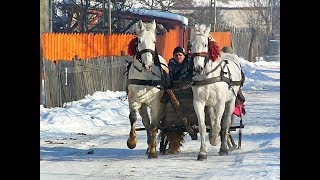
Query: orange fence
166, 43
65, 46
223, 38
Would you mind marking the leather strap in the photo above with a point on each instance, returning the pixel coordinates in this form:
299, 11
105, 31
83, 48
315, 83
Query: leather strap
145, 82
216, 79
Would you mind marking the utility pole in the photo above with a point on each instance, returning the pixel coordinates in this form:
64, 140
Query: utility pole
50, 16
103, 14
211, 14
271, 16
215, 16
109, 15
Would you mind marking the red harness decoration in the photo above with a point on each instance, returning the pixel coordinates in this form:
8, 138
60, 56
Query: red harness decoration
214, 50
132, 47
239, 108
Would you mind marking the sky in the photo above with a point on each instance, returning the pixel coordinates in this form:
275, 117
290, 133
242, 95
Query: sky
86, 139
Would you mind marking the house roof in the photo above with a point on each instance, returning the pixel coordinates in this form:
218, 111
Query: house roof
160, 14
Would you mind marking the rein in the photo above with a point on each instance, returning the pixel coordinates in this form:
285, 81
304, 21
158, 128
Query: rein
213, 52
201, 54
138, 57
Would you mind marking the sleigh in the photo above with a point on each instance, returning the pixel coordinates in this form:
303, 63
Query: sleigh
171, 124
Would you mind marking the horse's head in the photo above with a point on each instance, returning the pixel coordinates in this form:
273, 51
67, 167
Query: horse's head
199, 47
203, 47
146, 43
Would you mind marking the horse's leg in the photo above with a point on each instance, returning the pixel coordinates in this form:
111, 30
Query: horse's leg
226, 121
145, 121
132, 140
155, 118
162, 123
231, 144
162, 114
212, 117
216, 123
199, 110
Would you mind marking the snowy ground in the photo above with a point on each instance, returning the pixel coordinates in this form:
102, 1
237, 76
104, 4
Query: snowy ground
87, 139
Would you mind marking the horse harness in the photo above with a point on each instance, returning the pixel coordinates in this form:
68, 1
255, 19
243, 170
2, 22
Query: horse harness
220, 78
156, 83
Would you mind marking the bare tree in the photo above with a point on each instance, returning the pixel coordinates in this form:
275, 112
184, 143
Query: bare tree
90, 15
261, 18
276, 17
203, 13
203, 17
268, 15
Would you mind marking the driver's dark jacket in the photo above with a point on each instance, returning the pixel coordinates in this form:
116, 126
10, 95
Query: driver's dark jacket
181, 72
180, 76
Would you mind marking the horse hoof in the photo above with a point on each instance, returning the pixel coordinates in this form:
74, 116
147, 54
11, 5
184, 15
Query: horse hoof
131, 145
223, 152
201, 157
152, 155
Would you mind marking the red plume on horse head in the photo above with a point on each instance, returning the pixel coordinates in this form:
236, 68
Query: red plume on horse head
214, 49
132, 47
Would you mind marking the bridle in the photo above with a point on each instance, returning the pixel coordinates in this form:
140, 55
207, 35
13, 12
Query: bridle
203, 54
139, 53
138, 57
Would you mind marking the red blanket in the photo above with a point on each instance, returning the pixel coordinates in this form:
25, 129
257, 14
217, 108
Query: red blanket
238, 109
239, 106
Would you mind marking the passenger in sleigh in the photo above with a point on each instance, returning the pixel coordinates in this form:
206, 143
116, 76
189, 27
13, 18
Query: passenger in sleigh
180, 73
180, 66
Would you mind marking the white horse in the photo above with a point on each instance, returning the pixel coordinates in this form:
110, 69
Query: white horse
145, 86
215, 85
